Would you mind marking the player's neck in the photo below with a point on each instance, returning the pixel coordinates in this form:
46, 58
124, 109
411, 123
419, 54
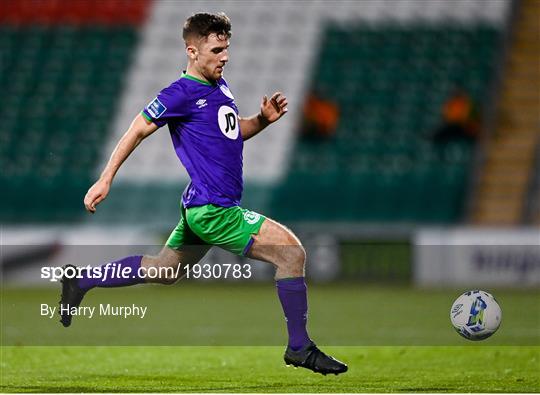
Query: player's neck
192, 72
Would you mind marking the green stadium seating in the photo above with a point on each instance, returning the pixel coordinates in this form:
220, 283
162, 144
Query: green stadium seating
60, 85
381, 165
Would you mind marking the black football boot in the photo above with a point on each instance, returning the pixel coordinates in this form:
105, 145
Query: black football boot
72, 296
310, 357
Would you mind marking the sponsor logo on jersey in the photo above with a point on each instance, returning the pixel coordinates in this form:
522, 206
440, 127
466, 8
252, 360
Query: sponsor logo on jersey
201, 103
228, 122
251, 217
226, 91
156, 108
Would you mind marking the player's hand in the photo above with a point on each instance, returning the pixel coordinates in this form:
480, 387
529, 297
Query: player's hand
275, 108
96, 194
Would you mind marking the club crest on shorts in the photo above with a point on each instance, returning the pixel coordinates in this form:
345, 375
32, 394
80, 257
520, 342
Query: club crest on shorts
251, 217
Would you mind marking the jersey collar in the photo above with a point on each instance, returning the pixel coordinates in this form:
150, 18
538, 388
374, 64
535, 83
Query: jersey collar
190, 77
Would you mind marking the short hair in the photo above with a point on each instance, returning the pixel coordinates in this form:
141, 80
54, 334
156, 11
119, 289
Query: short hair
201, 25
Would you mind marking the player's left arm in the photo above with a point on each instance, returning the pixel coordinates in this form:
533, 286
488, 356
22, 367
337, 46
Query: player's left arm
271, 110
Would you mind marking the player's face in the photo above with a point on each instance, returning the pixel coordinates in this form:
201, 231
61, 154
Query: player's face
213, 54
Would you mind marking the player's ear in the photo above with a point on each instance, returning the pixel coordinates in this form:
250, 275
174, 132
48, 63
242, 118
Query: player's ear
192, 52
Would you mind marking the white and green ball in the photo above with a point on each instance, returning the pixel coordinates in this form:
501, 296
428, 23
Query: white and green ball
476, 315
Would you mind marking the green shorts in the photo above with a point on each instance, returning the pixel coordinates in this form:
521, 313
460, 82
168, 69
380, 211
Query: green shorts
230, 228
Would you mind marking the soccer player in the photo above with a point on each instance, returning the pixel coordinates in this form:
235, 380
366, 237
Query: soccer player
208, 137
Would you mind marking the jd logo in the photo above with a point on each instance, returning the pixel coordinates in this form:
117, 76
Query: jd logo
228, 122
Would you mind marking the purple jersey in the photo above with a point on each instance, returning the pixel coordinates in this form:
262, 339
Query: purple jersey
203, 122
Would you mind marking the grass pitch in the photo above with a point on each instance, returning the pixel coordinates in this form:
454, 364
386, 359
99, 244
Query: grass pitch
260, 369
394, 339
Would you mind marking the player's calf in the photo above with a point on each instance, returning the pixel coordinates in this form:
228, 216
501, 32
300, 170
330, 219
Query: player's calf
159, 272
168, 267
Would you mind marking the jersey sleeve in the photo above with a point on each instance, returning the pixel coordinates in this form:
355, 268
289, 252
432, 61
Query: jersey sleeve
168, 104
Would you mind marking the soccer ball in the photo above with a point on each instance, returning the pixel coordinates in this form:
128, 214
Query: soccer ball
476, 315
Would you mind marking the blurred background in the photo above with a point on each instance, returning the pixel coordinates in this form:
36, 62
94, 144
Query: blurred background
410, 154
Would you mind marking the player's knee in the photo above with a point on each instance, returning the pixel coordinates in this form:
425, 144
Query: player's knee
298, 256
295, 252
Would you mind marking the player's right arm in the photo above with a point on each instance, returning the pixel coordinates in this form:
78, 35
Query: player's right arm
139, 129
